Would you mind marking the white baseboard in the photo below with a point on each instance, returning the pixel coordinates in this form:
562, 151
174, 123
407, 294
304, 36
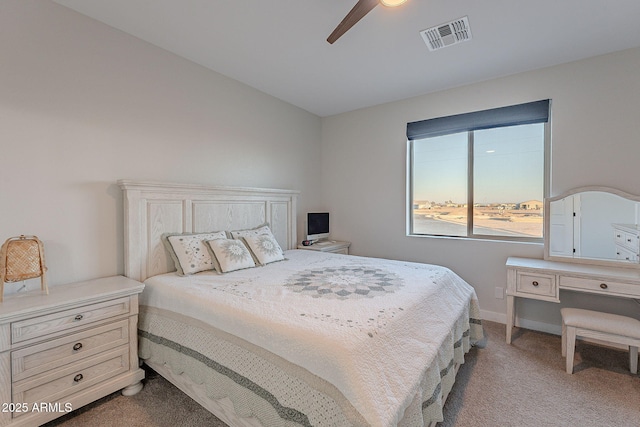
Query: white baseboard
493, 316
539, 326
550, 328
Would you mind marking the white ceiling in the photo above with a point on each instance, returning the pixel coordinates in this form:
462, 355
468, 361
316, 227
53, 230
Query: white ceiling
279, 46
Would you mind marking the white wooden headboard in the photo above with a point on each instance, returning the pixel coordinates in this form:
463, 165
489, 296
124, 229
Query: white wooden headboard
154, 208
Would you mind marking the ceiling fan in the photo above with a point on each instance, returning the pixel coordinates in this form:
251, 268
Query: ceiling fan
357, 13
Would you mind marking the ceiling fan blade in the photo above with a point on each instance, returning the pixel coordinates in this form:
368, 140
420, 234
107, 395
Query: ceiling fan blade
357, 13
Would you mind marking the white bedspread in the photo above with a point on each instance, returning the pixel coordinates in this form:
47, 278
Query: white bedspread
370, 327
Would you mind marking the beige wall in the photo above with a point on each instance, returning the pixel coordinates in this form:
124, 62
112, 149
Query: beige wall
595, 141
83, 105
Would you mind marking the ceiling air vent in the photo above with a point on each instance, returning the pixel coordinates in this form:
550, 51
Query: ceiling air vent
447, 34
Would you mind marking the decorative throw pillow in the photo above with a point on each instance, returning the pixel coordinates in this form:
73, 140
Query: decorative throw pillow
265, 248
189, 252
262, 229
230, 255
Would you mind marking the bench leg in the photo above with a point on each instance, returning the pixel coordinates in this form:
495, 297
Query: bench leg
564, 340
570, 347
633, 359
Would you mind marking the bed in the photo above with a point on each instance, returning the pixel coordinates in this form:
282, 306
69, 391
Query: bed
314, 339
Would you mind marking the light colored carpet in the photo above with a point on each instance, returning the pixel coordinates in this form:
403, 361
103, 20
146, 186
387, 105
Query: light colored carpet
519, 385
525, 384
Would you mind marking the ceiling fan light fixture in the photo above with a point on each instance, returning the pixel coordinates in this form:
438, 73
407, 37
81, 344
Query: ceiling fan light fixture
358, 12
392, 3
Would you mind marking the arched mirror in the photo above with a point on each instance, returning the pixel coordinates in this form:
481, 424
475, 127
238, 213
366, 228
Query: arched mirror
594, 225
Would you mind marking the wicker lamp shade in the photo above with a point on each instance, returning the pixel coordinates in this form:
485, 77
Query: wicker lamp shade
22, 258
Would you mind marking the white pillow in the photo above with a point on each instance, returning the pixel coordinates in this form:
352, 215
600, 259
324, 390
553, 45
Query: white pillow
230, 255
265, 248
189, 252
262, 229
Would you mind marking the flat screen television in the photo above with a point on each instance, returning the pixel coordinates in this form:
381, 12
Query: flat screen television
317, 225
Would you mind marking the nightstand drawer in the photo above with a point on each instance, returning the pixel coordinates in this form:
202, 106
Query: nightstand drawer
600, 286
627, 240
49, 355
53, 386
536, 284
625, 254
58, 323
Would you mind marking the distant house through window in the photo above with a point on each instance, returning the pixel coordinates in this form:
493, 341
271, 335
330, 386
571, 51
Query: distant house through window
482, 174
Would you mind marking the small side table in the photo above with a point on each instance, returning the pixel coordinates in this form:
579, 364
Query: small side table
332, 246
63, 350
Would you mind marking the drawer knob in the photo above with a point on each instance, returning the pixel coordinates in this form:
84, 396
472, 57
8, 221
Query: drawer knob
535, 283
603, 286
78, 317
77, 346
78, 378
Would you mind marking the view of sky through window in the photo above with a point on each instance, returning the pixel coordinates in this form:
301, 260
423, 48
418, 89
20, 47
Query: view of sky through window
508, 182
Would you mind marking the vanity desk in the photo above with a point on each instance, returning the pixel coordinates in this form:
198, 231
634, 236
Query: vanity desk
542, 280
591, 245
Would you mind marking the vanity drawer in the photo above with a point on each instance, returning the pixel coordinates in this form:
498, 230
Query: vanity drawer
600, 286
53, 386
52, 354
58, 323
536, 284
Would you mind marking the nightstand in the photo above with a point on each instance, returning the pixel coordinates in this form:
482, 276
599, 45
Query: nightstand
332, 246
61, 351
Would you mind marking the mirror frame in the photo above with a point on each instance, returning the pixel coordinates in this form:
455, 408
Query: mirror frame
547, 226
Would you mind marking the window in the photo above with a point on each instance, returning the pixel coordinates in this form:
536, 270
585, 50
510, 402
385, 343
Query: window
482, 174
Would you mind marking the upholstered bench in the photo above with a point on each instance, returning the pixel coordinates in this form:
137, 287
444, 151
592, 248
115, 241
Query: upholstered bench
606, 327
